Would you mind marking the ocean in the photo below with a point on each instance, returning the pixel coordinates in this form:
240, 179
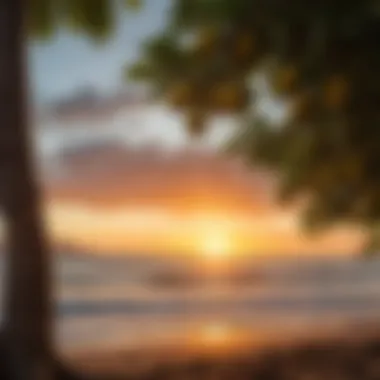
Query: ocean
134, 301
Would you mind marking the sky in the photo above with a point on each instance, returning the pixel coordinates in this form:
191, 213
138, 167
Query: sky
132, 180
62, 64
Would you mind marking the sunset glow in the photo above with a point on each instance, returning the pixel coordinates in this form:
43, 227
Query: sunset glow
209, 236
113, 199
216, 246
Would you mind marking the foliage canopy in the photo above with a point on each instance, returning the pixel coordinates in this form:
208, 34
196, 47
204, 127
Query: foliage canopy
322, 57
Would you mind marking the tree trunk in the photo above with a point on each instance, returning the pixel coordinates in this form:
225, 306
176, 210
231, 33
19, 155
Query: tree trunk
28, 303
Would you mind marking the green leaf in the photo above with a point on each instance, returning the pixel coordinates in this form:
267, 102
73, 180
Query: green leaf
140, 72
92, 17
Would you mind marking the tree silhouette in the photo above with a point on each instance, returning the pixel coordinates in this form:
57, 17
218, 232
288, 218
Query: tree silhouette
320, 57
28, 338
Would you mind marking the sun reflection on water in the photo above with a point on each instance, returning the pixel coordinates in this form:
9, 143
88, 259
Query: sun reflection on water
215, 334
217, 337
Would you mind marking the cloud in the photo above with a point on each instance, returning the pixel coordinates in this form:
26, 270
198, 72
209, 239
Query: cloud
133, 126
111, 174
106, 195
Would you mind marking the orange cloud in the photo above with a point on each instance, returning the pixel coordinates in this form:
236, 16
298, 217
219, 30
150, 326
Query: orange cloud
107, 197
112, 176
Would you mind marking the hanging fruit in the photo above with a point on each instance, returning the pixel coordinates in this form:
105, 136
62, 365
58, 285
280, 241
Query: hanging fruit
206, 40
229, 97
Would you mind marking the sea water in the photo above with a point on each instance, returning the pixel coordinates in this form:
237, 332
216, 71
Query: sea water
105, 301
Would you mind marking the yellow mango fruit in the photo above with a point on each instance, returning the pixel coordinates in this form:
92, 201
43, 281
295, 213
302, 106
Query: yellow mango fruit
229, 96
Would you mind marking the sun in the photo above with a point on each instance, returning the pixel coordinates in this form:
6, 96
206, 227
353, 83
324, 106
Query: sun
215, 246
